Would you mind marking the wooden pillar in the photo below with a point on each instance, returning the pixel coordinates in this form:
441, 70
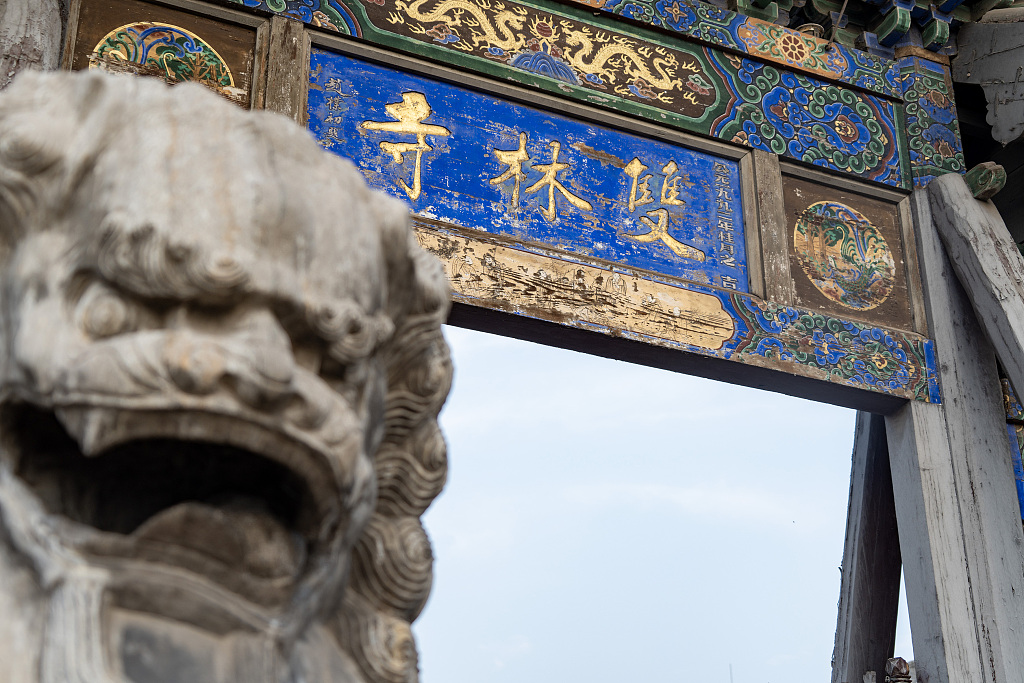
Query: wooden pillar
287, 69
960, 534
30, 35
870, 590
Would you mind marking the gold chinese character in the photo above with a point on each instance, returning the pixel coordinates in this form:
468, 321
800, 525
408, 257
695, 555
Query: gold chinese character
514, 159
549, 180
659, 232
409, 114
670, 188
634, 169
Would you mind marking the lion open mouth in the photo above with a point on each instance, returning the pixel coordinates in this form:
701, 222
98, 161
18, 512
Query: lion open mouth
241, 518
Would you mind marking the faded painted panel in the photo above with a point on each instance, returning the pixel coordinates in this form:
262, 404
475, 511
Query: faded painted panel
472, 160
131, 36
846, 254
497, 273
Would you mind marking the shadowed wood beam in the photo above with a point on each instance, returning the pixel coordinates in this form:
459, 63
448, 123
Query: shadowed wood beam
30, 34
870, 589
960, 532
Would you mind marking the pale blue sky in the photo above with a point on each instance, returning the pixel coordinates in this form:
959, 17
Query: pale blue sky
607, 522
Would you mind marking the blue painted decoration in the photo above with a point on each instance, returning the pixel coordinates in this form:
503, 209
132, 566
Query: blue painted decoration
472, 160
1016, 433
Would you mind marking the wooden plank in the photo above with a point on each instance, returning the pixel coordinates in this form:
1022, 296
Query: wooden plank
913, 269
960, 533
993, 534
287, 69
67, 53
627, 350
870, 589
533, 282
749, 201
778, 281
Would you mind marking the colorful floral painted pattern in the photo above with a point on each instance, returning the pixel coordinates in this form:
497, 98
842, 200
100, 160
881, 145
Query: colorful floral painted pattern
932, 130
174, 53
840, 350
800, 117
844, 256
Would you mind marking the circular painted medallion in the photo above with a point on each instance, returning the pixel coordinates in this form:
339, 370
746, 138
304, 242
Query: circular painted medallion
844, 255
172, 52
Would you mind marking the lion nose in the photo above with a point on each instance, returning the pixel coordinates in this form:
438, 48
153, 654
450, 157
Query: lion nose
254, 359
194, 364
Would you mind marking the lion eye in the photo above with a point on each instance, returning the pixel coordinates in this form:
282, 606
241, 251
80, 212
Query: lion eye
105, 314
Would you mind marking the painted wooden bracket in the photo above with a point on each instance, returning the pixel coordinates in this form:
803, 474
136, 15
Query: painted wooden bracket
895, 22
766, 10
935, 29
986, 180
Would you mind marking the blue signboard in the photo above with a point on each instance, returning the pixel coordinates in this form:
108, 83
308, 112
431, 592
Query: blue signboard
470, 159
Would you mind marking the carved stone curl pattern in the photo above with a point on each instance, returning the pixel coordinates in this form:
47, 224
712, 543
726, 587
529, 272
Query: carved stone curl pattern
221, 366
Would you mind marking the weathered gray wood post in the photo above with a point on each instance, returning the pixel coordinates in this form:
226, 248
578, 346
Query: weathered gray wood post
30, 36
960, 531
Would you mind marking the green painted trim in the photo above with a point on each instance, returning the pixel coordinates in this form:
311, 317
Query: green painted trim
935, 34
893, 26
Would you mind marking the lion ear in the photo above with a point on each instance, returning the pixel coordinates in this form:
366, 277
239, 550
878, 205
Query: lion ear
416, 281
28, 153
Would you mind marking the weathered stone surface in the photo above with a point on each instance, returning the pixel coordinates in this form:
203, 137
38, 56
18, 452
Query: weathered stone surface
216, 347
30, 34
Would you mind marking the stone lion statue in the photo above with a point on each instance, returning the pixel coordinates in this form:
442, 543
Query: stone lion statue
220, 371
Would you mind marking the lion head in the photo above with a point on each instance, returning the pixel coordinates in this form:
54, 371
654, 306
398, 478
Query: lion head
220, 372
